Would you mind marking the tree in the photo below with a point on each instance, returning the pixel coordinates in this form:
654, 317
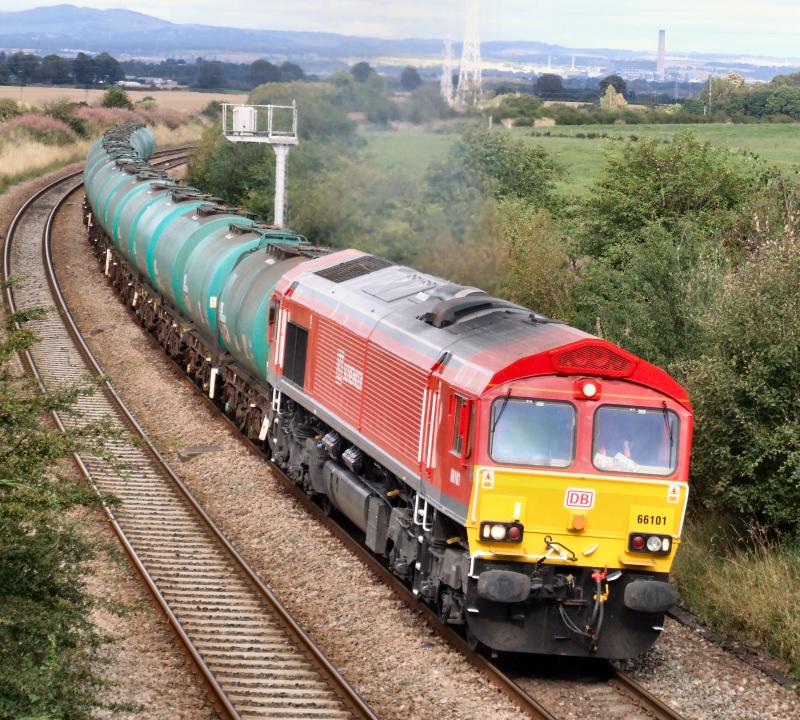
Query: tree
84, 69
54, 69
24, 66
107, 69
321, 113
291, 72
612, 100
116, 97
410, 79
540, 273
549, 86
614, 80
263, 71
210, 75
790, 79
718, 90
361, 71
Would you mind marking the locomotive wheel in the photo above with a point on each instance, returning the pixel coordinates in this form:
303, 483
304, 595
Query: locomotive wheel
472, 642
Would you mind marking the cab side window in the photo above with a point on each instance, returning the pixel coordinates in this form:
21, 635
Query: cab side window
460, 409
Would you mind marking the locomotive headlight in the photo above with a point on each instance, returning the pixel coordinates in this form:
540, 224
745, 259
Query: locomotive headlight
498, 532
654, 543
587, 389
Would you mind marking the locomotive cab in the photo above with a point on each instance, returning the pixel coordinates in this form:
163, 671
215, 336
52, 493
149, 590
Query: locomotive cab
578, 500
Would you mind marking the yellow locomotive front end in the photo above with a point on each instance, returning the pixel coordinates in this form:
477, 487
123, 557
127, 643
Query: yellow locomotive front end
578, 499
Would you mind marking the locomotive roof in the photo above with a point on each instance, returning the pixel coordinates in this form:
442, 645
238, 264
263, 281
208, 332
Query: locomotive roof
477, 340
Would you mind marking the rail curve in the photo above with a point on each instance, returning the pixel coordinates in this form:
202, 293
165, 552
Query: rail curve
253, 657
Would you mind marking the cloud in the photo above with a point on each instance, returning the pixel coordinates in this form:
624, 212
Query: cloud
770, 27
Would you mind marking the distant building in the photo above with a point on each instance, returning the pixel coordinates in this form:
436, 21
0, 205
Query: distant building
141, 83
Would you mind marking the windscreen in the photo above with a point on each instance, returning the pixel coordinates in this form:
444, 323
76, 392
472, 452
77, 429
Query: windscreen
532, 432
635, 440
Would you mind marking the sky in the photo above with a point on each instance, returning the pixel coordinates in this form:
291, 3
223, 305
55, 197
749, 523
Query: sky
771, 27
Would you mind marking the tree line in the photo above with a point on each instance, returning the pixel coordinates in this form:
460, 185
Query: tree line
23, 68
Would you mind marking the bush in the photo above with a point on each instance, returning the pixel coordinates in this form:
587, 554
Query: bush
99, 118
116, 97
493, 161
213, 110
42, 128
540, 271
746, 383
424, 105
646, 181
63, 110
47, 641
522, 109
9, 109
148, 102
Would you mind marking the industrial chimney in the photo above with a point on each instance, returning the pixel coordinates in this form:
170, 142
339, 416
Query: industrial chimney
661, 60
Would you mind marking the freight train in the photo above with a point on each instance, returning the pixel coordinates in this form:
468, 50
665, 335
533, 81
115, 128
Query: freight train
527, 479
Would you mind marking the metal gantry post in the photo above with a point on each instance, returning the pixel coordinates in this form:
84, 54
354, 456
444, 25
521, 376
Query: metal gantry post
244, 128
281, 155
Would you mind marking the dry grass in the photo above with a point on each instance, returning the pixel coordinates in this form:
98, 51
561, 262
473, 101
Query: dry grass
747, 588
24, 159
183, 100
28, 156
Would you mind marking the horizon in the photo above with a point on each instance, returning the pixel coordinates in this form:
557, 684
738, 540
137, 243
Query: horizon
574, 24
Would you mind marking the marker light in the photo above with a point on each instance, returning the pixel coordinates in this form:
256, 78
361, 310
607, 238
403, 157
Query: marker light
637, 542
514, 532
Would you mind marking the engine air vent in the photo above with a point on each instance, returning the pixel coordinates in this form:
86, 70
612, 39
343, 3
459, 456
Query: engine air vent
590, 357
351, 269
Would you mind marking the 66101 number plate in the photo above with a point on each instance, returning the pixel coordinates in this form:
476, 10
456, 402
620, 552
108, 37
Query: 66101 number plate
651, 519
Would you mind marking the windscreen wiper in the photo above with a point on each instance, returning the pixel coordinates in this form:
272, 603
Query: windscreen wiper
500, 411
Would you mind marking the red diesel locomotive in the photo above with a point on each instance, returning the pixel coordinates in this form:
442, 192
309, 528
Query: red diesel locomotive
527, 479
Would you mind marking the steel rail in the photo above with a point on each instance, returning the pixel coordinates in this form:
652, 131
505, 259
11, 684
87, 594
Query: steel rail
642, 697
347, 695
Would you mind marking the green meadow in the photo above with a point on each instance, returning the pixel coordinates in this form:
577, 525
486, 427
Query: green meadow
581, 157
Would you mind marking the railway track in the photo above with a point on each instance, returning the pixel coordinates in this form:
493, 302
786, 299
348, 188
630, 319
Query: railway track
255, 660
613, 691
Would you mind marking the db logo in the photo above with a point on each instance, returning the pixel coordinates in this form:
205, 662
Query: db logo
579, 498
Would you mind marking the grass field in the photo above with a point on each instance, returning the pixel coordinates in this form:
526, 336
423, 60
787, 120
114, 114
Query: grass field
582, 158
407, 151
184, 100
